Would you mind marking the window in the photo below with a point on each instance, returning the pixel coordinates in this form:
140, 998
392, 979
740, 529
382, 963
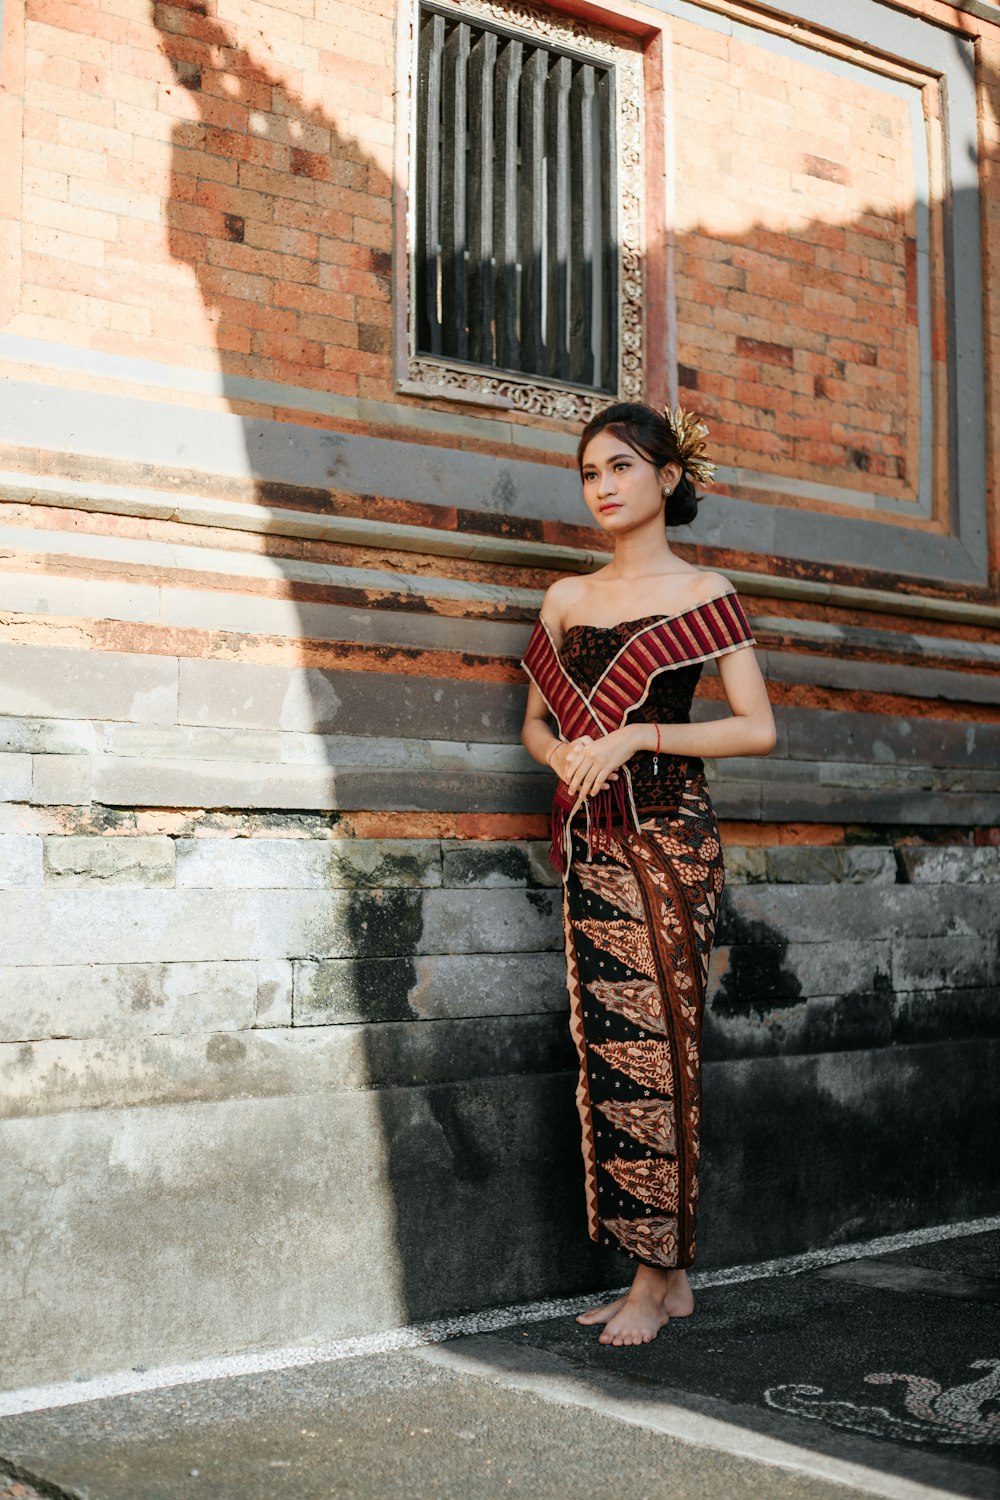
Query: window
525, 269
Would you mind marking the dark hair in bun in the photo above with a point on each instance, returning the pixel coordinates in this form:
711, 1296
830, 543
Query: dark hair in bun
648, 433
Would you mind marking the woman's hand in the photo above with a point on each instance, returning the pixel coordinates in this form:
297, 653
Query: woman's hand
588, 765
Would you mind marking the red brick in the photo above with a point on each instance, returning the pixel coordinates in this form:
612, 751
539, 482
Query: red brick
776, 354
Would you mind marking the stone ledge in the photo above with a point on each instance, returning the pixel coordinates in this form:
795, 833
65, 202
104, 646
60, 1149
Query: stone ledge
58, 1076
125, 1001
951, 865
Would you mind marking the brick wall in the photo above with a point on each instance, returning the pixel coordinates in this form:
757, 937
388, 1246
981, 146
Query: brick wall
282, 1024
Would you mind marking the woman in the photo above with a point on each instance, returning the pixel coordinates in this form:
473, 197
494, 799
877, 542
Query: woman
614, 658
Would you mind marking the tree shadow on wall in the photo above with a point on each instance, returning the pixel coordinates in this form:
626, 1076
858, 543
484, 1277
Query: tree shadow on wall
261, 209
482, 1174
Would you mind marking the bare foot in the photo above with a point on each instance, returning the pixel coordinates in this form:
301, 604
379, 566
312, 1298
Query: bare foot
601, 1314
652, 1300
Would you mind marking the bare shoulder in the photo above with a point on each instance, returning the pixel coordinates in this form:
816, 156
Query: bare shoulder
560, 597
701, 585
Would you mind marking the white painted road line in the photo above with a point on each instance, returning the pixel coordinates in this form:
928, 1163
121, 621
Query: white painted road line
130, 1382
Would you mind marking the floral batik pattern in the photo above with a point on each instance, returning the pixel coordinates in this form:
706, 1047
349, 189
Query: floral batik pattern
640, 920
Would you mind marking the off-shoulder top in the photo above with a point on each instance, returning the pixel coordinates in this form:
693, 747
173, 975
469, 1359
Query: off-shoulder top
586, 652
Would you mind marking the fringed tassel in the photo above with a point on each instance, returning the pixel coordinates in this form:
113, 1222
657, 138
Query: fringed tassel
557, 851
616, 798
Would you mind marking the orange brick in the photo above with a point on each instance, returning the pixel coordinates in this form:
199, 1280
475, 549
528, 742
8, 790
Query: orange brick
375, 236
201, 166
57, 330
276, 237
64, 72
37, 125
262, 262
58, 41
62, 245
39, 183
355, 361
75, 220
296, 351
276, 184
313, 299
328, 330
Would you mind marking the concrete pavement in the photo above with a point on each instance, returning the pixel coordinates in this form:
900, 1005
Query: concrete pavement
877, 1375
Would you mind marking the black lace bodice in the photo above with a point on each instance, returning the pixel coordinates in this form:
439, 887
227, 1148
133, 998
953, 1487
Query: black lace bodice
586, 652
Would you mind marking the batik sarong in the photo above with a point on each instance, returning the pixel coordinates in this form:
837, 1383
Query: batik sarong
639, 919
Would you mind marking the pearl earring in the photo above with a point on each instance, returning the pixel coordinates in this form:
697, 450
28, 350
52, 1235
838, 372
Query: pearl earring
666, 492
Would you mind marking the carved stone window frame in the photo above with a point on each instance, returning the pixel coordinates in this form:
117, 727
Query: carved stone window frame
432, 377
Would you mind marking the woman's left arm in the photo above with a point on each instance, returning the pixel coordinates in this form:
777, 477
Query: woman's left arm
748, 730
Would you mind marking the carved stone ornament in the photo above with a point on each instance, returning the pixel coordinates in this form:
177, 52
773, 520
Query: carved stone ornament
533, 393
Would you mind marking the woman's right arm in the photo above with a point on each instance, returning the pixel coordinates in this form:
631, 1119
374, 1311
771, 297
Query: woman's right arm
536, 731
536, 735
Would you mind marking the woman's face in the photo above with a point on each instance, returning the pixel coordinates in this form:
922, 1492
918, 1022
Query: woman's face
622, 489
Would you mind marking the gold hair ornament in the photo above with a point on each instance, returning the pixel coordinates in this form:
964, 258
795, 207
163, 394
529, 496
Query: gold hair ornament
690, 433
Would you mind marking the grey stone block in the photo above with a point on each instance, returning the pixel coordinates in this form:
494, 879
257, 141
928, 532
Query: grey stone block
804, 864
540, 864
946, 1015
183, 742
792, 802
867, 865
124, 1000
20, 860
62, 780
61, 683
121, 859
274, 992
827, 913
334, 991
15, 778
745, 865
154, 1205
756, 978
151, 1205
46, 736
801, 864
951, 864
828, 735
495, 921
489, 984
231, 864
489, 863
307, 700
815, 1024
136, 783
865, 777
780, 1130
45, 1077
882, 677
128, 782
946, 963
736, 799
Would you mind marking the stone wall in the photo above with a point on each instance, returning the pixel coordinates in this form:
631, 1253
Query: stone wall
267, 1081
